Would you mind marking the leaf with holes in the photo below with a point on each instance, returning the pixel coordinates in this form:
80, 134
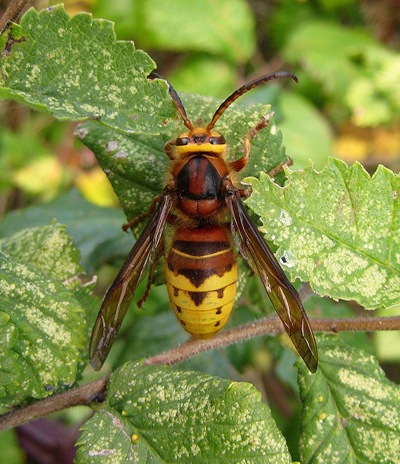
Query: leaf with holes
339, 229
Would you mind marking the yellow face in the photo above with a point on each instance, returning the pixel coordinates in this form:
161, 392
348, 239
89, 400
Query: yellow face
200, 140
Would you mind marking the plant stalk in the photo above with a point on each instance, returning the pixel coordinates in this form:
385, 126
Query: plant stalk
87, 394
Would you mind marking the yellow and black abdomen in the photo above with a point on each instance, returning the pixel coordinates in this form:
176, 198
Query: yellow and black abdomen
201, 275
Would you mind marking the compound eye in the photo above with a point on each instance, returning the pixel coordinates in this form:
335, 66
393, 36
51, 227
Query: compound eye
220, 140
182, 141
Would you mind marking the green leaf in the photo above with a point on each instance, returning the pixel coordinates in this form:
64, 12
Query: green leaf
107, 436
49, 249
352, 68
186, 75
184, 417
160, 331
75, 69
136, 165
302, 125
351, 411
339, 229
314, 39
124, 13
375, 99
11, 452
387, 343
42, 324
96, 231
16, 148
222, 28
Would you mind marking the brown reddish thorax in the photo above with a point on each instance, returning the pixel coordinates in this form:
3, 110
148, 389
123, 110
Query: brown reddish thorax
198, 183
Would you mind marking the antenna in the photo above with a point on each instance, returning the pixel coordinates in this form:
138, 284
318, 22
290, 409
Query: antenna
175, 98
224, 105
245, 88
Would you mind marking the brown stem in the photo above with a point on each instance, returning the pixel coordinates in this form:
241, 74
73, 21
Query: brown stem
14, 9
85, 394
270, 326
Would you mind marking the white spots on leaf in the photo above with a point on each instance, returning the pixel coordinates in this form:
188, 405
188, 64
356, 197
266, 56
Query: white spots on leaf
343, 241
111, 146
101, 452
72, 80
67, 107
177, 402
285, 218
371, 280
113, 115
114, 96
120, 155
384, 444
48, 319
114, 88
81, 132
92, 110
343, 263
7, 288
32, 74
195, 449
361, 383
105, 53
42, 322
370, 403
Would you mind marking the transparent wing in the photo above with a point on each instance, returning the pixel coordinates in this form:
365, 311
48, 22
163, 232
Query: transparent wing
120, 294
283, 296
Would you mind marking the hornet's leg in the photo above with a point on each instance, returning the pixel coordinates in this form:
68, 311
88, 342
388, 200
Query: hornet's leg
159, 252
280, 167
240, 163
132, 223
